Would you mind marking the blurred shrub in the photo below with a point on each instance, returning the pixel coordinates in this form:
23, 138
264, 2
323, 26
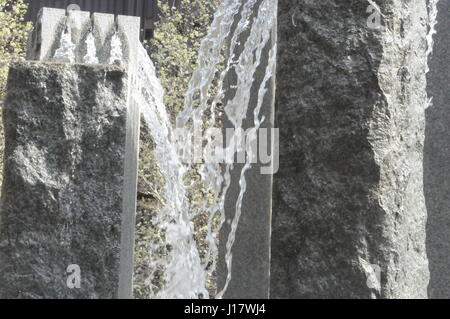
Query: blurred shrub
174, 48
13, 39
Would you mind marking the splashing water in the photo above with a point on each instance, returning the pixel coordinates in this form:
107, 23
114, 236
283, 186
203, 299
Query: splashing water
184, 275
116, 49
66, 51
91, 54
432, 21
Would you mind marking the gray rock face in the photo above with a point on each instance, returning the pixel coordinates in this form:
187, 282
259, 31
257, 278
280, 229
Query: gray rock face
63, 194
348, 198
436, 159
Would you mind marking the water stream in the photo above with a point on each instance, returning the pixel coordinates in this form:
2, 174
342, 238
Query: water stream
66, 49
432, 21
237, 38
185, 274
91, 52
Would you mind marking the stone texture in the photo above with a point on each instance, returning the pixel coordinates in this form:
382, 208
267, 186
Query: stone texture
45, 39
436, 159
349, 192
68, 180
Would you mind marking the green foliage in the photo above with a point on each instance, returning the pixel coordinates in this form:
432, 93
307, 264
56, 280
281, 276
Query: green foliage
13, 39
13, 35
174, 48
147, 280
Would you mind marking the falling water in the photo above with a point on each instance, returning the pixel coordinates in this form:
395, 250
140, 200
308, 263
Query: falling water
432, 21
91, 51
116, 49
66, 50
258, 39
198, 101
185, 275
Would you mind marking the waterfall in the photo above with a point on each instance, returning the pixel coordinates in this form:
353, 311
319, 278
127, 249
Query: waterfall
197, 100
66, 50
237, 108
116, 49
185, 276
432, 21
91, 52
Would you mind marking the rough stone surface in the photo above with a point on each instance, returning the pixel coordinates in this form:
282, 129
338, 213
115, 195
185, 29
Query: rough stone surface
436, 159
46, 38
349, 192
63, 192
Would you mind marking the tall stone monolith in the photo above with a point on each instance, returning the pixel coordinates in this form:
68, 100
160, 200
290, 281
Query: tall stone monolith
348, 206
70, 168
250, 265
437, 158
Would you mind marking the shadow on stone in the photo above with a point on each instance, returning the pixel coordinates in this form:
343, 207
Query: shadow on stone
436, 160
